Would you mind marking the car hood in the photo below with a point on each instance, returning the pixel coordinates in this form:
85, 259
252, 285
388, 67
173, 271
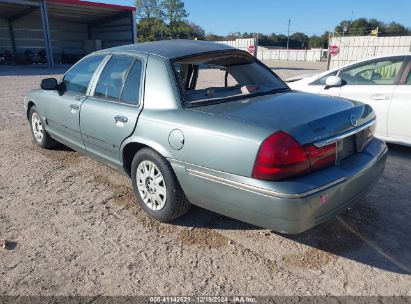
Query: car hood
308, 117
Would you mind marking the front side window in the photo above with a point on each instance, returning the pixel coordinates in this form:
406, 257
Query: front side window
221, 77
409, 78
382, 72
77, 79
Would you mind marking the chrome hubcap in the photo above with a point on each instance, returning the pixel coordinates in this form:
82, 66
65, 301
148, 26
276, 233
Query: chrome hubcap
37, 127
151, 185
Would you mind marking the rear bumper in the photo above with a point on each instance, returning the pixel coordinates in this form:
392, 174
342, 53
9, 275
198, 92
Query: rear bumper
289, 206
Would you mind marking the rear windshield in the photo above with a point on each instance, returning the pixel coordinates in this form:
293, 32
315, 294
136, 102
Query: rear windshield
222, 77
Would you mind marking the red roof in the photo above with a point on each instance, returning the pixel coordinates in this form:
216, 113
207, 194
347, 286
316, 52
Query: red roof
94, 4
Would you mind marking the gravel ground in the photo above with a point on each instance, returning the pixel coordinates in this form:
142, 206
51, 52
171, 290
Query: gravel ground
75, 229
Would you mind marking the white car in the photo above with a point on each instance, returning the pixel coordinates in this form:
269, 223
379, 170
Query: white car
383, 82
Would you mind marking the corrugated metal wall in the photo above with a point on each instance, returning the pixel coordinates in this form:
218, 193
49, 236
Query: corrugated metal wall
360, 47
66, 36
5, 41
27, 33
113, 33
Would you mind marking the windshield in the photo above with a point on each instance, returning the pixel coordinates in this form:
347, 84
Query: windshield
224, 76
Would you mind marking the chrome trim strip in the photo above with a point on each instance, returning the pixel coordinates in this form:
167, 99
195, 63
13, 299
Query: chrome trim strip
258, 190
334, 139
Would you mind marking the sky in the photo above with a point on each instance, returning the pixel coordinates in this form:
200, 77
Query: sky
266, 16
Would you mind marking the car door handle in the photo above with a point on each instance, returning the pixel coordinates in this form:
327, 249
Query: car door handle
120, 118
379, 97
78, 98
74, 108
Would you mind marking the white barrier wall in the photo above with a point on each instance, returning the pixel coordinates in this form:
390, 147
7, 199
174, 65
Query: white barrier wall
241, 44
292, 55
360, 47
264, 53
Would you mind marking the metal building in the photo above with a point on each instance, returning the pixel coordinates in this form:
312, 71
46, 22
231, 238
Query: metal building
64, 27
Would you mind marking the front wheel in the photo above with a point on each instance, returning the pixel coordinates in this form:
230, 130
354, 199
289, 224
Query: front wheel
156, 187
41, 137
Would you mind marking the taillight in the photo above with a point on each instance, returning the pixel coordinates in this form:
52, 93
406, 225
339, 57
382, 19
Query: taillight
280, 156
371, 131
321, 157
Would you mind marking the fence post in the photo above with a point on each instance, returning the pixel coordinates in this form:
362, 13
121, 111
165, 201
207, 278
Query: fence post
328, 52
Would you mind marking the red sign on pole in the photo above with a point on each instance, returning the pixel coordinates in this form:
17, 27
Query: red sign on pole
251, 49
334, 50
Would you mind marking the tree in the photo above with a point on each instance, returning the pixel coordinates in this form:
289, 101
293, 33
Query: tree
299, 40
180, 30
173, 10
247, 35
363, 27
152, 29
396, 29
198, 31
148, 9
320, 42
315, 42
214, 37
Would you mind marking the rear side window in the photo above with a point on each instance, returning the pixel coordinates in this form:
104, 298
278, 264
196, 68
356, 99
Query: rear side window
78, 77
377, 72
120, 80
409, 78
131, 90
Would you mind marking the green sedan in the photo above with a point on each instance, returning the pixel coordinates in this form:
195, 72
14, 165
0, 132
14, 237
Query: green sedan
195, 122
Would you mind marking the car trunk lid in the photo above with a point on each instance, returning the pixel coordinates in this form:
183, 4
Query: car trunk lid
307, 117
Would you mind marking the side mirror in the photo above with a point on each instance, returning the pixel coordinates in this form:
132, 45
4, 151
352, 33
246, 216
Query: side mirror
49, 84
332, 81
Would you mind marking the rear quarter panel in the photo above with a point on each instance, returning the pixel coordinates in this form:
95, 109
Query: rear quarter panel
209, 141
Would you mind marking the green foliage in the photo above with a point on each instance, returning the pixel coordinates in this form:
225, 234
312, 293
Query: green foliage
198, 31
173, 10
165, 20
214, 37
152, 29
363, 27
147, 9
318, 42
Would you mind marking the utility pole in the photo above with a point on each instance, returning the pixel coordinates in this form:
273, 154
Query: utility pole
288, 38
288, 35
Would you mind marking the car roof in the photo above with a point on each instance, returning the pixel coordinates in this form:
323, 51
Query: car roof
172, 49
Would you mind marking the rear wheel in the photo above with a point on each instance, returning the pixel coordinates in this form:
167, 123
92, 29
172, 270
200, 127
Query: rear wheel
41, 137
156, 187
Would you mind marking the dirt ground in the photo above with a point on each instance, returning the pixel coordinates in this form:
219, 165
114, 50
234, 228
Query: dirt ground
75, 229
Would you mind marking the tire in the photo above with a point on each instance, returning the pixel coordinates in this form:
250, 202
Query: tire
161, 197
40, 136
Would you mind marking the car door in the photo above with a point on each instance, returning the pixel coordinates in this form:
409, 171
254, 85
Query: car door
109, 114
63, 108
399, 126
373, 82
